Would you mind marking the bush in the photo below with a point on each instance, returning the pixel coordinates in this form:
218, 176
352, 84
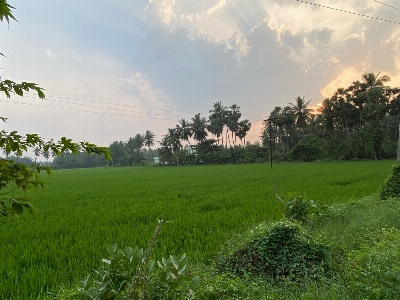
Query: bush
308, 149
298, 208
391, 188
285, 252
130, 274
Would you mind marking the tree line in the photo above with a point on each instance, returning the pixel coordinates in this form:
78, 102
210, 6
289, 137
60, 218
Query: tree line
357, 122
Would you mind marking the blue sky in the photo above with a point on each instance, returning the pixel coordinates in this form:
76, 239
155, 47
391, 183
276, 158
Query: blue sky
112, 69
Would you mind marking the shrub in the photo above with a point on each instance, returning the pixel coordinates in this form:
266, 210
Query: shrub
285, 252
130, 274
298, 208
391, 187
307, 149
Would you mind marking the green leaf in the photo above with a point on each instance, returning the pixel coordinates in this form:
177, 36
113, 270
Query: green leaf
85, 281
16, 208
111, 248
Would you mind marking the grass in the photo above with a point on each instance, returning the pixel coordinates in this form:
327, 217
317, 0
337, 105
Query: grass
84, 209
365, 238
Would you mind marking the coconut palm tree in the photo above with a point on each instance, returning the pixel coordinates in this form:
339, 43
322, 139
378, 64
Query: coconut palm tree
199, 126
185, 131
232, 120
302, 112
217, 120
36, 151
277, 118
372, 80
173, 140
345, 110
327, 116
149, 139
242, 130
46, 155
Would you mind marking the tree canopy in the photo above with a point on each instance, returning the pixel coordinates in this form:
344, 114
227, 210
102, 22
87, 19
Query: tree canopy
17, 175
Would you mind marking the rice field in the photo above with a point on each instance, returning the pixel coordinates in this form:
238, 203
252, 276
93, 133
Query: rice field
83, 209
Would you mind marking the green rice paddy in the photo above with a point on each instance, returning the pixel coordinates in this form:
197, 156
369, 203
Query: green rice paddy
84, 209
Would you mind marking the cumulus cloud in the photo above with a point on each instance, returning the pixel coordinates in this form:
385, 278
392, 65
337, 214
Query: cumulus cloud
144, 90
50, 54
161, 11
343, 80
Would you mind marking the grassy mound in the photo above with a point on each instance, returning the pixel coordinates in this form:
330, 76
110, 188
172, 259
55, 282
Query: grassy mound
391, 188
284, 252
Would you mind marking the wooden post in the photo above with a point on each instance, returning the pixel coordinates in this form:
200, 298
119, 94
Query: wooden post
398, 147
270, 140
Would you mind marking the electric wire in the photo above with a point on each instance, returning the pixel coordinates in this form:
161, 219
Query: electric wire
108, 108
349, 12
386, 5
85, 111
48, 98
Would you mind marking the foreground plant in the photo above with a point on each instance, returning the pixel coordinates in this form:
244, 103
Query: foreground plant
130, 274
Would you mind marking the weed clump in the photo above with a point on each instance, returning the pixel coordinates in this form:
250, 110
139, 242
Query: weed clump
391, 188
285, 252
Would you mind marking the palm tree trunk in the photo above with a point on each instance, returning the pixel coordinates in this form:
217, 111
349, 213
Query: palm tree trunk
280, 140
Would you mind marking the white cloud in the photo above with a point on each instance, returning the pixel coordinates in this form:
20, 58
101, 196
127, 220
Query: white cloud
343, 80
50, 54
144, 89
218, 6
161, 11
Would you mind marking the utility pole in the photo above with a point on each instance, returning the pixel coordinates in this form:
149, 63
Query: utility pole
270, 138
398, 147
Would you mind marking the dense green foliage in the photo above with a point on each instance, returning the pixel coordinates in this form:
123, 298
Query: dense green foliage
130, 274
81, 210
360, 121
282, 251
298, 208
391, 187
363, 238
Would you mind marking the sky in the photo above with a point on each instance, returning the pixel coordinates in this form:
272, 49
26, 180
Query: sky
112, 69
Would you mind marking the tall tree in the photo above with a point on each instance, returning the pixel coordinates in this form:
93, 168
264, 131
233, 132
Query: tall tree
37, 152
372, 80
302, 113
327, 116
134, 146
149, 139
173, 140
118, 151
242, 130
186, 130
46, 155
232, 121
199, 126
217, 120
345, 111
277, 118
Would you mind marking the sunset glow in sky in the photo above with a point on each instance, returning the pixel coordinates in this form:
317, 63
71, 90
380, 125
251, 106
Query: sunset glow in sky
112, 69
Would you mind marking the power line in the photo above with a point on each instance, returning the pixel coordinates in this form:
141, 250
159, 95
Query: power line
95, 112
116, 104
386, 5
102, 107
86, 111
346, 11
